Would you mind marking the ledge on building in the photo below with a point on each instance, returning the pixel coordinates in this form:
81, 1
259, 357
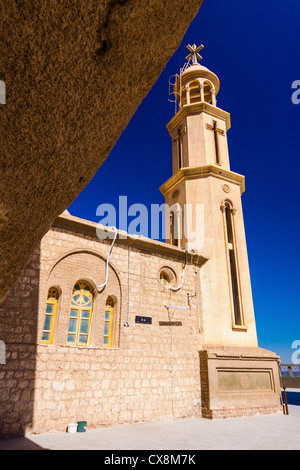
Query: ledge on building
67, 221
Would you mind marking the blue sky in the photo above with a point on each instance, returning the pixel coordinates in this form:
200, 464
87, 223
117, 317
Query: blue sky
253, 47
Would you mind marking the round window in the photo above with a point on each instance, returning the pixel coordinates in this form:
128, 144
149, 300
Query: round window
164, 279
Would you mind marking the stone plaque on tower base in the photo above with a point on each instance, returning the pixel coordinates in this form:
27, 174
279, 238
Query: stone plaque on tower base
239, 382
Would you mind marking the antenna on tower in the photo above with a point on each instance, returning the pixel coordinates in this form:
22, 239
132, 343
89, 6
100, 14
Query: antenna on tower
175, 96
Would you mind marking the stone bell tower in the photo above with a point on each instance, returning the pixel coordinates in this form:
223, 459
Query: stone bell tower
204, 197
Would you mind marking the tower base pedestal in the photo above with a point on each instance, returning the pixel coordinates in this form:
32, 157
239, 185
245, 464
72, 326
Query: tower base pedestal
238, 382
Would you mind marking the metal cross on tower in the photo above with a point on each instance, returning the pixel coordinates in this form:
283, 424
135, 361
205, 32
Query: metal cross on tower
194, 53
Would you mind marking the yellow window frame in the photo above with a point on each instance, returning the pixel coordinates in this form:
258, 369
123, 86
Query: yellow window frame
108, 322
80, 310
52, 300
78, 332
164, 279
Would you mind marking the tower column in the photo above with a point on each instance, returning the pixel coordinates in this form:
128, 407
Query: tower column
188, 96
213, 94
202, 92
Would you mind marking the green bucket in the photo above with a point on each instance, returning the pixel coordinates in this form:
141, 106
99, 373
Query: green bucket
81, 426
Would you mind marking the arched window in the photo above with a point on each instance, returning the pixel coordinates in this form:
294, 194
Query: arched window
173, 222
208, 92
80, 314
176, 225
108, 322
183, 95
50, 316
195, 93
233, 264
179, 143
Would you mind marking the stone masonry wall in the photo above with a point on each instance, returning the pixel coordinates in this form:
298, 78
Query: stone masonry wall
18, 326
106, 387
150, 373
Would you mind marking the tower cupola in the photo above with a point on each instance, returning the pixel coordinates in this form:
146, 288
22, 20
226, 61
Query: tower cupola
199, 128
196, 83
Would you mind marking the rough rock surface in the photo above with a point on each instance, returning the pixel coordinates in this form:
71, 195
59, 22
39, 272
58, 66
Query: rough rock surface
75, 73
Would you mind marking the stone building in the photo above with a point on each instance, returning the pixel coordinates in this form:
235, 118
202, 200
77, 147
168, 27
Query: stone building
171, 332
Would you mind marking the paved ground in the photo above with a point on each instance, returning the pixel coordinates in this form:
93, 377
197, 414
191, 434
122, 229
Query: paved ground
259, 432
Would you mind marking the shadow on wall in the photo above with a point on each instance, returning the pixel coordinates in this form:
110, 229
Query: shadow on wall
18, 330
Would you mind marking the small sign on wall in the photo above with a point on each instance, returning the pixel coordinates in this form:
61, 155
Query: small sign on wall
143, 320
170, 323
